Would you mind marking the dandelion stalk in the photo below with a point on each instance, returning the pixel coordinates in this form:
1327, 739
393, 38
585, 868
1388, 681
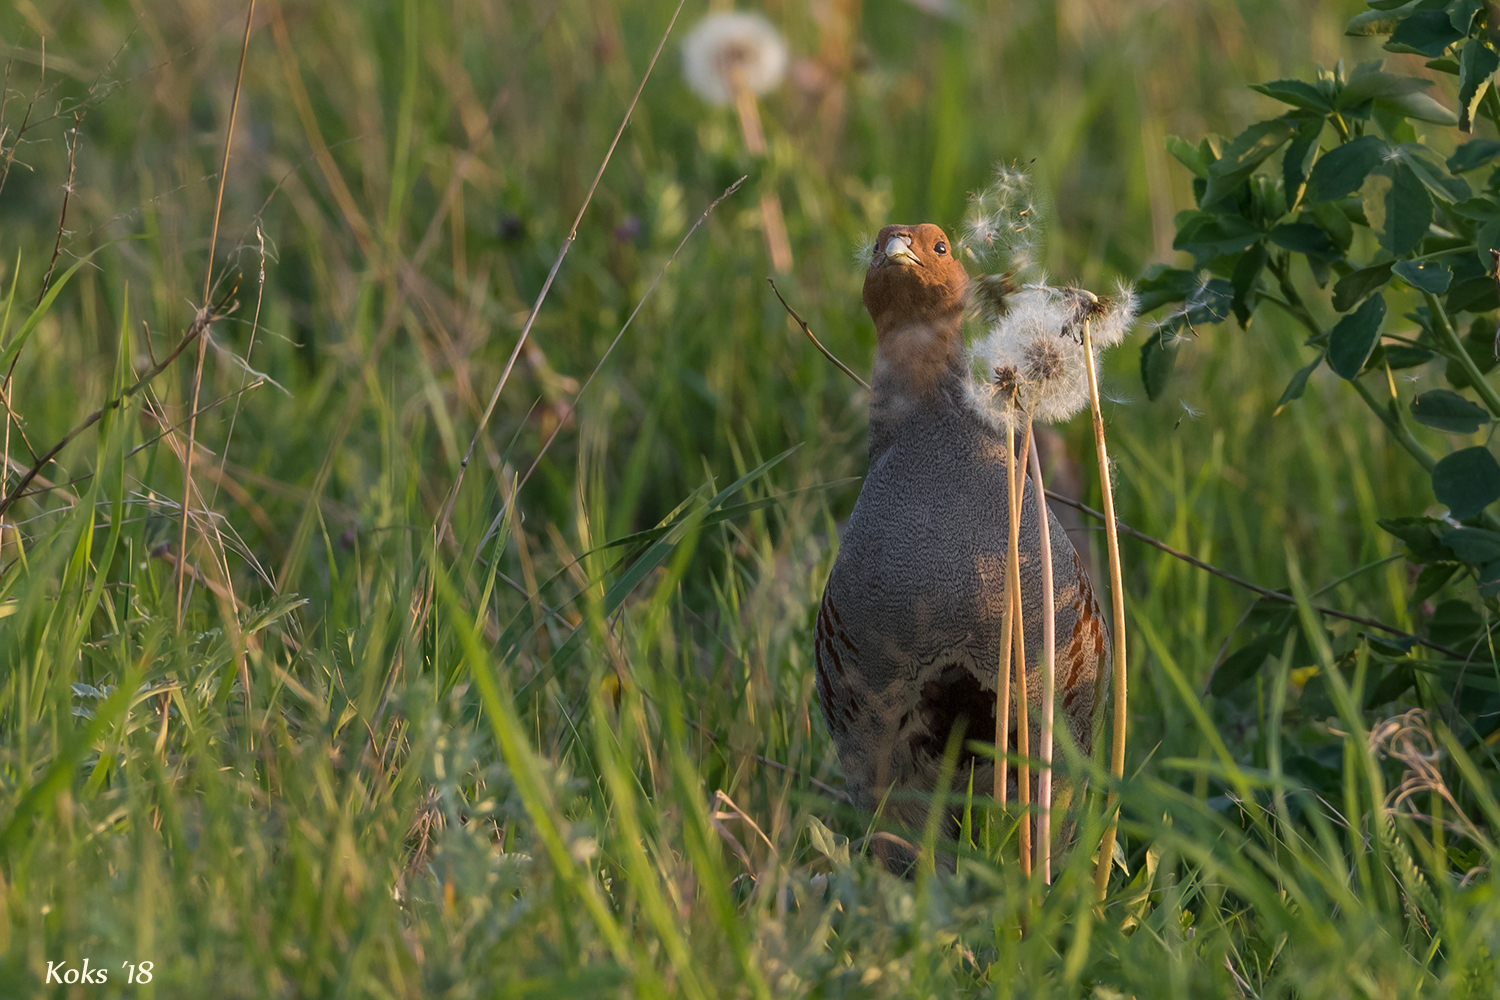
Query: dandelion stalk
731, 59
1117, 602
1049, 678
1007, 627
1018, 639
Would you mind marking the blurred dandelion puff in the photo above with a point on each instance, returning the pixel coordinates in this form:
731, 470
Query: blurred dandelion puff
727, 51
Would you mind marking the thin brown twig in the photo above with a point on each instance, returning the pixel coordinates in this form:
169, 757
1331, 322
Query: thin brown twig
816, 342
208, 276
573, 406
200, 324
446, 514
62, 221
51, 487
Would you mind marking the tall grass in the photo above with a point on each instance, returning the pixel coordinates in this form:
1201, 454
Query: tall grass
597, 768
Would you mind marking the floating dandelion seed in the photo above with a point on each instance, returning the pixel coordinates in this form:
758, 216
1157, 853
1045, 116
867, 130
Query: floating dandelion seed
864, 250
728, 51
1003, 223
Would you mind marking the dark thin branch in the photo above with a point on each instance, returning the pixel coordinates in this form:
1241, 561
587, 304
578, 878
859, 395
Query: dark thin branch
816, 342
1239, 581
200, 324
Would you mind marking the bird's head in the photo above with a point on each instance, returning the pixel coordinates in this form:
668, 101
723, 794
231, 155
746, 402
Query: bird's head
915, 292
914, 280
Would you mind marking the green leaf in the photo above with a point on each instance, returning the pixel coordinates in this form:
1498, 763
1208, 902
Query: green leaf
1376, 22
1476, 68
1422, 535
1473, 545
1307, 239
1368, 82
1399, 356
1243, 155
1206, 235
1298, 384
1243, 663
1390, 687
1467, 481
1473, 154
1297, 161
1431, 580
1161, 284
1353, 338
1489, 579
1473, 288
827, 843
1189, 156
1417, 106
39, 313
1461, 14
1408, 210
1355, 285
1331, 217
1444, 410
1342, 170
1424, 276
1454, 622
1297, 93
1424, 32
1246, 273
1434, 176
1479, 209
1158, 357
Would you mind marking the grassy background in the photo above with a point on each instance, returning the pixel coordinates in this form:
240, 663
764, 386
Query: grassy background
480, 807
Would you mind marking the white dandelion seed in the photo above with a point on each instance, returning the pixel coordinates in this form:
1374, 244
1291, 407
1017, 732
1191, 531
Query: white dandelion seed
727, 51
1110, 326
1003, 224
864, 250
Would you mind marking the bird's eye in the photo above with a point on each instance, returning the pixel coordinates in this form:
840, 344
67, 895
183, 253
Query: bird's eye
940, 247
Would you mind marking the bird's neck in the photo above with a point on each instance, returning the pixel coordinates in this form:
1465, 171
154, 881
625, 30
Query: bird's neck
919, 373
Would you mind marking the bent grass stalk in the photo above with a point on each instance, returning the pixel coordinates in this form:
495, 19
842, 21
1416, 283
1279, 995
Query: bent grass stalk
1117, 607
1049, 679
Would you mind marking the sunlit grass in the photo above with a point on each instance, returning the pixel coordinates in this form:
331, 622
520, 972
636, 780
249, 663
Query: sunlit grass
522, 797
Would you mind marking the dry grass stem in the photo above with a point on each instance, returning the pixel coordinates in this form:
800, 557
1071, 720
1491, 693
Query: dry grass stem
446, 515
1117, 603
1049, 679
208, 277
1018, 638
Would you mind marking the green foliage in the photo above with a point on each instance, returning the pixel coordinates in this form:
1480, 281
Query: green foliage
573, 749
1365, 202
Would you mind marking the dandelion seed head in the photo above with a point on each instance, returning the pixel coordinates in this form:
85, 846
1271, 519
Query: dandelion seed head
864, 250
1044, 360
730, 50
1029, 338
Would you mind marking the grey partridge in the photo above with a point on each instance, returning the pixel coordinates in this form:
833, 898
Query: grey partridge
909, 631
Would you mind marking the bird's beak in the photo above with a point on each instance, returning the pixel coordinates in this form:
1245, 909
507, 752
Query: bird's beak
898, 250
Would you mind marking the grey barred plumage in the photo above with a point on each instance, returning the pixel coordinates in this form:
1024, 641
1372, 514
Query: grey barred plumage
908, 635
